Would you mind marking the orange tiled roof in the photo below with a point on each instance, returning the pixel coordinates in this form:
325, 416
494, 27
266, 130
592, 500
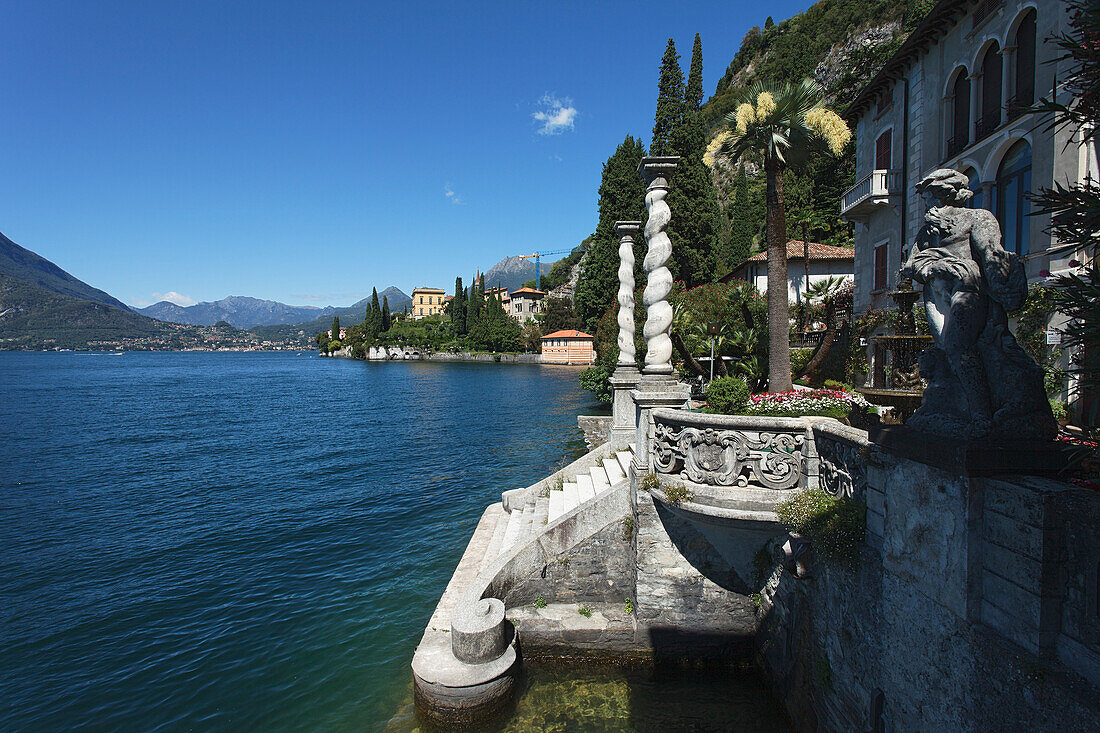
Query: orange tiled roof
568, 334
818, 251
531, 291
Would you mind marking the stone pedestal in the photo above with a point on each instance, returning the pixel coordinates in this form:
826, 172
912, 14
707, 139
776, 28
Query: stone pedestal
651, 395
623, 382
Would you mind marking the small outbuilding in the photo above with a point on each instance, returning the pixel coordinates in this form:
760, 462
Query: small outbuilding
568, 347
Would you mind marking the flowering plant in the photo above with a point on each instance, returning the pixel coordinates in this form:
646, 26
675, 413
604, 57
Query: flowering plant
799, 403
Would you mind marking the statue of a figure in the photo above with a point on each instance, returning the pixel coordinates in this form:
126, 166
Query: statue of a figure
980, 382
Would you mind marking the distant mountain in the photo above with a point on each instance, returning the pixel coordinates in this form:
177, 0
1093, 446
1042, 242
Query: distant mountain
348, 316
22, 264
243, 312
397, 300
237, 310
513, 272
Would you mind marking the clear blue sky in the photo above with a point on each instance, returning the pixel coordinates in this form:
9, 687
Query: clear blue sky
305, 152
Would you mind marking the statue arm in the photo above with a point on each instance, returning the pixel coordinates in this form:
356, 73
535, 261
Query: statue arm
1002, 271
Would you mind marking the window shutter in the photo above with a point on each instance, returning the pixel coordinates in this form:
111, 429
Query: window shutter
883, 145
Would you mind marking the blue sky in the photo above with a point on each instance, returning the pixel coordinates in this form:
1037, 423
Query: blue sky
305, 152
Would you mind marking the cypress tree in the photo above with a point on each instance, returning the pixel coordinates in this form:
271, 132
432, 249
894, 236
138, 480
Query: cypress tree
670, 102
458, 308
622, 198
693, 92
387, 320
335, 327
742, 227
696, 225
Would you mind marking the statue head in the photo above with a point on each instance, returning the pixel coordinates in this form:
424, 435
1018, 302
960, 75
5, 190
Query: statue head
947, 186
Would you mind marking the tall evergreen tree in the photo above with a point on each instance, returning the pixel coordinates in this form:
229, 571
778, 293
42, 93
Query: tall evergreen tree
693, 92
476, 305
387, 320
670, 102
372, 320
335, 328
622, 198
458, 308
742, 226
696, 223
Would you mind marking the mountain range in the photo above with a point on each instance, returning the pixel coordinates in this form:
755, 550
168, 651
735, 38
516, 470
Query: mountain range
244, 312
513, 272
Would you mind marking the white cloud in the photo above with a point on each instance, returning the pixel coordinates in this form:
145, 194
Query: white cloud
173, 297
556, 115
454, 197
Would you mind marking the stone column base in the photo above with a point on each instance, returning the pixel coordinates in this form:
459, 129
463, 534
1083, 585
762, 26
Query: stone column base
671, 394
623, 382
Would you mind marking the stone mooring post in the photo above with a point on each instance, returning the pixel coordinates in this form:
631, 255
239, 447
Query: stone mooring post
625, 378
658, 386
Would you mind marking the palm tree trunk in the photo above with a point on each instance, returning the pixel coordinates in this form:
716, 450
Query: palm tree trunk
779, 321
689, 361
826, 341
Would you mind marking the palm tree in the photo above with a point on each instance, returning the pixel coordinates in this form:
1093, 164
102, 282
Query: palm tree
786, 127
829, 292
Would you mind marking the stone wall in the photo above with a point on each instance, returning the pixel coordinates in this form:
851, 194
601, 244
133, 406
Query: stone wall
972, 608
596, 428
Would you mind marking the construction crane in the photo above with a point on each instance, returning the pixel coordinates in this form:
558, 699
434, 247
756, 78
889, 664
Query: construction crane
537, 255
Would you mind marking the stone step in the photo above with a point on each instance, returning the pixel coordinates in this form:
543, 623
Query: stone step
542, 513
613, 470
571, 497
556, 505
493, 549
528, 525
600, 482
515, 522
585, 489
625, 457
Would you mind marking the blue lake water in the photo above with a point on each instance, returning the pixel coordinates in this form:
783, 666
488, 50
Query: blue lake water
216, 541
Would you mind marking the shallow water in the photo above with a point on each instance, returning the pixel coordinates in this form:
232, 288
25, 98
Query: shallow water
256, 540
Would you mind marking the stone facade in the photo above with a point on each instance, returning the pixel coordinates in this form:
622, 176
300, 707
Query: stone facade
905, 127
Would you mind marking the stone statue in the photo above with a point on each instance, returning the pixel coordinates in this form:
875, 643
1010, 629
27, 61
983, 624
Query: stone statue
981, 384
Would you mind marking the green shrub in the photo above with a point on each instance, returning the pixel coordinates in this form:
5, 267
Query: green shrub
1061, 413
628, 606
834, 526
594, 379
677, 493
728, 395
799, 359
585, 611
540, 602
649, 481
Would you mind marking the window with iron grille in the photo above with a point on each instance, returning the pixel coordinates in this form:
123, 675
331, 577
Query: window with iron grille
883, 150
1024, 81
985, 9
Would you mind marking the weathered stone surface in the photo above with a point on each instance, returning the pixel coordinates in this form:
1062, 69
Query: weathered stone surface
980, 382
595, 429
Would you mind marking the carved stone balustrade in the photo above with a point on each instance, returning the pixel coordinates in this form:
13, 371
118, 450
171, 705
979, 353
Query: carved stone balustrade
843, 455
734, 450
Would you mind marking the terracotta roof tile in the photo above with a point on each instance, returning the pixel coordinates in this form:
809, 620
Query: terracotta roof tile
568, 334
818, 251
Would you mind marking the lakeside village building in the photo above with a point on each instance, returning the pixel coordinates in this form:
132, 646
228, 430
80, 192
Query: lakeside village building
825, 261
568, 347
426, 302
955, 95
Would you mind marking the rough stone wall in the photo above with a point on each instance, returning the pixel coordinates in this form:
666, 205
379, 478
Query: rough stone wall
687, 594
912, 623
599, 570
595, 428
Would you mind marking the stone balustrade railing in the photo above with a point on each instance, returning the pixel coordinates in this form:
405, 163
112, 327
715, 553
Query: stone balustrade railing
735, 450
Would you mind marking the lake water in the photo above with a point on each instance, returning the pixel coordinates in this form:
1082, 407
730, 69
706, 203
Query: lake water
216, 541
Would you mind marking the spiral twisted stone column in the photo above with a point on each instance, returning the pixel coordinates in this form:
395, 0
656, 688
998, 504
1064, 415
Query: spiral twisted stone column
626, 231
656, 171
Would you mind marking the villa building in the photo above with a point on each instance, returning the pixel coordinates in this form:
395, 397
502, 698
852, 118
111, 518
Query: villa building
825, 261
525, 303
956, 95
568, 347
503, 294
426, 302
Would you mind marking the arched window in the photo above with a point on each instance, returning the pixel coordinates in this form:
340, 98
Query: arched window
990, 116
958, 133
1013, 182
1024, 71
977, 201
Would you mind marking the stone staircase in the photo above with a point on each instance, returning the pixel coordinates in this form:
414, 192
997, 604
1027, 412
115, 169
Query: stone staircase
516, 526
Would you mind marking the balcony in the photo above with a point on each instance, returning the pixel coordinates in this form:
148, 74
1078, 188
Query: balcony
869, 193
988, 123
